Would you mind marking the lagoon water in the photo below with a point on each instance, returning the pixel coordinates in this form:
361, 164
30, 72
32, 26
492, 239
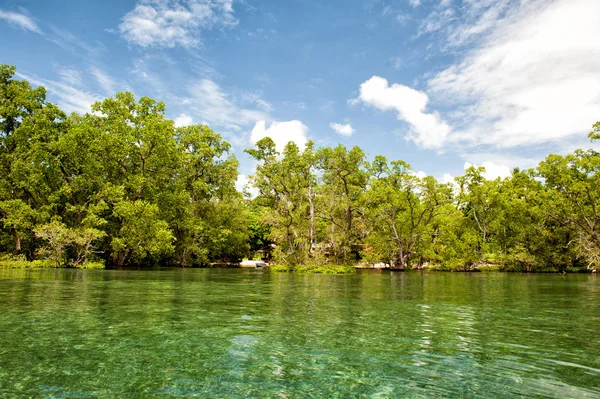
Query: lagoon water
230, 333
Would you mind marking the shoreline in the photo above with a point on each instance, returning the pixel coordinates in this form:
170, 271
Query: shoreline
303, 269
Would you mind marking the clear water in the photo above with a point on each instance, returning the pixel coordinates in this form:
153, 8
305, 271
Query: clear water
254, 334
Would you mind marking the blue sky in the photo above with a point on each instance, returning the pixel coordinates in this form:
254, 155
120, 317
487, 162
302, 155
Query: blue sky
438, 83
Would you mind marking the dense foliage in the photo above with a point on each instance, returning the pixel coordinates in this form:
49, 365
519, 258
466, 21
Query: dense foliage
122, 185
119, 185
331, 205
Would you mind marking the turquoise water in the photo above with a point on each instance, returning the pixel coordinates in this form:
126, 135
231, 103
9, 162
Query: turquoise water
254, 334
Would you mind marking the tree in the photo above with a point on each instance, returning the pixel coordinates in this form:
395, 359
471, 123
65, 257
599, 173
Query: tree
19, 218
574, 181
82, 239
286, 183
125, 185
400, 208
142, 233
27, 125
208, 215
56, 234
480, 199
345, 175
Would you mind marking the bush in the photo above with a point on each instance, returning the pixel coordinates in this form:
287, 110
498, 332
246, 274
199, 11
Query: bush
41, 264
489, 268
435, 267
314, 269
8, 261
20, 262
281, 268
90, 265
572, 269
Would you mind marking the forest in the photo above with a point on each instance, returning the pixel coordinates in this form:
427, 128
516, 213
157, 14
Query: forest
123, 186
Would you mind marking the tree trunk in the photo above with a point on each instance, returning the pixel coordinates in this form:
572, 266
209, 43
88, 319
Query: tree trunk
312, 218
121, 258
349, 219
15, 234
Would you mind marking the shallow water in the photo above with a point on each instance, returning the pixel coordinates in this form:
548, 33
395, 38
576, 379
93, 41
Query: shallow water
233, 333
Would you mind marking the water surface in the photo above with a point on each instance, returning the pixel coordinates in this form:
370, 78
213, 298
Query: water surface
254, 334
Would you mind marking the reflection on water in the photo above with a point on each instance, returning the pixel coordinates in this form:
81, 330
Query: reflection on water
253, 334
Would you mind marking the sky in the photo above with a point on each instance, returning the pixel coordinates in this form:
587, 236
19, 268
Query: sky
440, 84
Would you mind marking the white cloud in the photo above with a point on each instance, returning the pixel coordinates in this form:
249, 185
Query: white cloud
183, 120
448, 178
21, 20
533, 78
509, 159
244, 184
164, 23
342, 129
426, 129
281, 133
420, 174
492, 170
414, 3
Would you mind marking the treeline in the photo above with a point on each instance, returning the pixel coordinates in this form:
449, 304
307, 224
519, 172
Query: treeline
123, 186
331, 205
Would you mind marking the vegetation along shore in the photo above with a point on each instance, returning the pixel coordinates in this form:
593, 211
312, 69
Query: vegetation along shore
124, 186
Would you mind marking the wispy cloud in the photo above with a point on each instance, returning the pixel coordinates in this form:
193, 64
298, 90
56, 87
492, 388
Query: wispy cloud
71, 91
162, 23
533, 79
262, 33
461, 22
106, 83
21, 20
399, 14
294, 106
70, 75
229, 110
206, 100
66, 93
395, 62
73, 44
145, 74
